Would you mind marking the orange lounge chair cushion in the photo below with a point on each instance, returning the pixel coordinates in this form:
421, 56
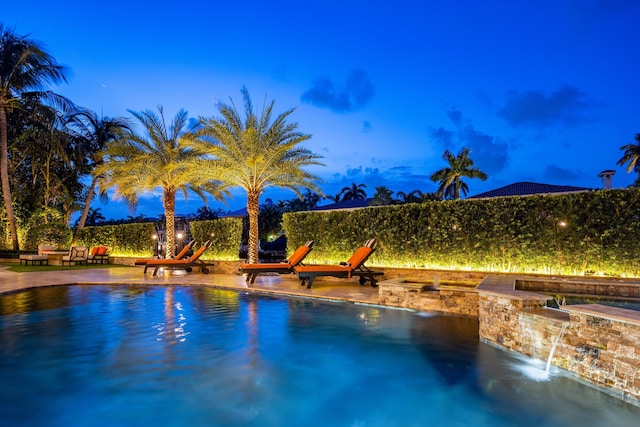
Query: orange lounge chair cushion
294, 260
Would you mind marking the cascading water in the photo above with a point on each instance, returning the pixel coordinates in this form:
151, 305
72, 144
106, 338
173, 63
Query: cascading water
553, 347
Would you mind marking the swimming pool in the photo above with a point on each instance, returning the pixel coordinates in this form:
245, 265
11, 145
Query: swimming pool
200, 356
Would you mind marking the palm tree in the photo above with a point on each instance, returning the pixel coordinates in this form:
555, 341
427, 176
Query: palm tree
25, 69
632, 156
416, 196
255, 152
162, 159
383, 196
450, 178
355, 192
94, 216
96, 132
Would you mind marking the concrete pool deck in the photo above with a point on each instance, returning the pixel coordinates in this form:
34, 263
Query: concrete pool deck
278, 284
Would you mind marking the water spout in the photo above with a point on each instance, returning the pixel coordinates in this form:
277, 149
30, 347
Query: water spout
553, 347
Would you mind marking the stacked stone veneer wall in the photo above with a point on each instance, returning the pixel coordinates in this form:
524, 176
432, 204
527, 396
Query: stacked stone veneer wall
602, 345
599, 344
416, 296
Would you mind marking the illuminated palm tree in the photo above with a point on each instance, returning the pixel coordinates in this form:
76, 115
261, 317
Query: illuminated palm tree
632, 156
25, 69
96, 132
450, 178
162, 159
354, 192
255, 152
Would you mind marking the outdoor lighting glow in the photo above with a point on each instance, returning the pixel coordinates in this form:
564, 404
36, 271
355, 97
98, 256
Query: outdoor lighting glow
562, 223
154, 237
179, 236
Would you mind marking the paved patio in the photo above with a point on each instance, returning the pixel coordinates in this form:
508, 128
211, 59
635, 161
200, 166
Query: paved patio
279, 284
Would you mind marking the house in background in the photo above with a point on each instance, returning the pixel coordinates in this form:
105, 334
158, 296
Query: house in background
534, 188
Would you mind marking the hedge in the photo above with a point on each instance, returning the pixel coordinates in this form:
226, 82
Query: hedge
125, 239
582, 233
135, 240
225, 235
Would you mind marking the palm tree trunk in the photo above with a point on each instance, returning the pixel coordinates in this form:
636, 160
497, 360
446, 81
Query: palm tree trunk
4, 178
169, 201
253, 209
85, 212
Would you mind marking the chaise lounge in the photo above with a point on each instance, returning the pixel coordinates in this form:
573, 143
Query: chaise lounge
252, 270
181, 264
353, 267
182, 254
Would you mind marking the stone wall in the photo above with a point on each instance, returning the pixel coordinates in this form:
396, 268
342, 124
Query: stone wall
428, 297
602, 345
599, 344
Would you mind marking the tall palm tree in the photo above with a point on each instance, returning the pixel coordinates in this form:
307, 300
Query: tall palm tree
256, 152
161, 158
632, 156
354, 192
96, 132
450, 178
25, 69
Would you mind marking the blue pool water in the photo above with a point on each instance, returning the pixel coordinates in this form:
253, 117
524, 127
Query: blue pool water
197, 356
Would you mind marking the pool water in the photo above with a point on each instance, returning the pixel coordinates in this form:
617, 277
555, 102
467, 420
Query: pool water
200, 356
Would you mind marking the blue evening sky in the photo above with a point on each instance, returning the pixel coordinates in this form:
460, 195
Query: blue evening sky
543, 91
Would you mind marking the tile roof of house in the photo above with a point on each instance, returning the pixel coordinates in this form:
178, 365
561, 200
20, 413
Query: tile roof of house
529, 189
345, 204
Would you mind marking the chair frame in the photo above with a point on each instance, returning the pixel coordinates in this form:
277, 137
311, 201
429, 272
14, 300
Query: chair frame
345, 270
252, 270
181, 264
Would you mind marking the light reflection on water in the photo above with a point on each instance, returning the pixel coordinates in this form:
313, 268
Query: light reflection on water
198, 356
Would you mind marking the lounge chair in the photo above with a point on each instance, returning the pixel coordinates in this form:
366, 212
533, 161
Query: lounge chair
353, 267
180, 255
184, 264
285, 267
77, 255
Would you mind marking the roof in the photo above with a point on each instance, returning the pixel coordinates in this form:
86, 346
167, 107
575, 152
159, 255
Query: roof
529, 189
345, 204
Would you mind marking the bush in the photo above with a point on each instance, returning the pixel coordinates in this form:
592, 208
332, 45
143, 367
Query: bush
585, 233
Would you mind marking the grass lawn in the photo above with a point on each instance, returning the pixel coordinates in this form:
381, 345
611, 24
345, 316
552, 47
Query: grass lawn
34, 268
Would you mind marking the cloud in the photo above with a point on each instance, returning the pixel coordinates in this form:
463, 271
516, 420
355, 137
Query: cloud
398, 178
489, 153
557, 174
356, 93
566, 106
366, 126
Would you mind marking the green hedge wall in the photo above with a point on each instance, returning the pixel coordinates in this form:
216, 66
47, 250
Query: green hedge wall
585, 233
135, 240
225, 235
125, 239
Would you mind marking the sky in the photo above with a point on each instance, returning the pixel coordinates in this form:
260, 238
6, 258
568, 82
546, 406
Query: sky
545, 91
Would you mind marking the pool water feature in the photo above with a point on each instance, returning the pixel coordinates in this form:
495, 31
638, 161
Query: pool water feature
201, 356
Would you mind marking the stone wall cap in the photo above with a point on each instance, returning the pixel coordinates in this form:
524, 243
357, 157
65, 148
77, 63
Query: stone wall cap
613, 313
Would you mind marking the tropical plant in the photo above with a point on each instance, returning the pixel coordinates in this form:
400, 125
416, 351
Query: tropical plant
95, 132
25, 70
94, 217
162, 159
383, 196
632, 157
334, 199
354, 192
256, 152
308, 201
450, 178
416, 196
